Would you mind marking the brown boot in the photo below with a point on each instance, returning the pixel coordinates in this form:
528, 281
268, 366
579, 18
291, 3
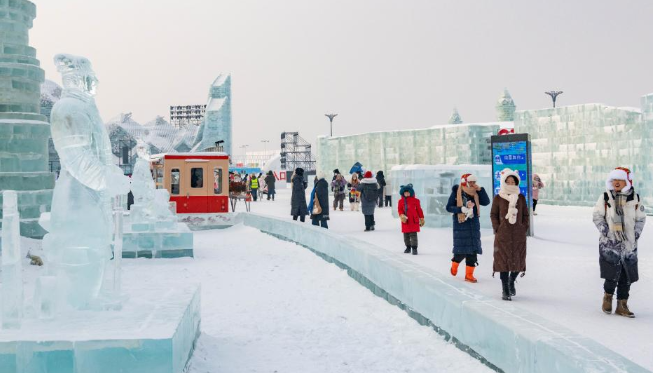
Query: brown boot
622, 309
607, 303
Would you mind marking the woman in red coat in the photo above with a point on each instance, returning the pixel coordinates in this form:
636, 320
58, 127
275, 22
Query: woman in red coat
412, 217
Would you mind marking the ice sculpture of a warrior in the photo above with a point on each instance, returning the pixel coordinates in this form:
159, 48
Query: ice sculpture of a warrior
78, 245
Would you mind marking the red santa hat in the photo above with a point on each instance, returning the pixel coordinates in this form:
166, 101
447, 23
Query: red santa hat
620, 173
467, 178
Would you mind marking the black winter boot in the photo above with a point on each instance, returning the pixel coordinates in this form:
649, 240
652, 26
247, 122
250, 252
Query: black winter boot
407, 251
414, 250
511, 283
506, 289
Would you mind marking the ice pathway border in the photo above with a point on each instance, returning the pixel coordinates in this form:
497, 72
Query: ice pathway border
499, 334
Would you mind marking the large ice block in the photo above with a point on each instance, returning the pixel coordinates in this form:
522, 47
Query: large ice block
443, 144
575, 147
12, 265
508, 337
155, 331
433, 185
173, 242
217, 120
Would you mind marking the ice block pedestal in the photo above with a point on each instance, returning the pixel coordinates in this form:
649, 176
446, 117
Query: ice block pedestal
167, 242
155, 331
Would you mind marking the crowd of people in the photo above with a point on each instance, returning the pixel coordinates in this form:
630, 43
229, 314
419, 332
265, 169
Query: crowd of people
619, 216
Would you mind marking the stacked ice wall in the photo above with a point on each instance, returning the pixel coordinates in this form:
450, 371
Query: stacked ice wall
24, 132
444, 144
433, 185
575, 147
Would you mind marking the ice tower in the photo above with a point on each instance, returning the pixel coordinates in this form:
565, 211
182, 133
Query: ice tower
24, 132
455, 117
505, 107
217, 120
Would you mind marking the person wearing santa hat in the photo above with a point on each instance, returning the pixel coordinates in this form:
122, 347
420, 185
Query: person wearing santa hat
510, 222
465, 204
369, 192
619, 216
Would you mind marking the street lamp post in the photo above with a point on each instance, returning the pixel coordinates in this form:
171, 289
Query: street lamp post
554, 95
244, 147
265, 146
331, 116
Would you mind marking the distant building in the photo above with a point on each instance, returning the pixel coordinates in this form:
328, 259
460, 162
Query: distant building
184, 115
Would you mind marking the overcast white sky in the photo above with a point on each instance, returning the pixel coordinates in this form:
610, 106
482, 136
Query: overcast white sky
379, 64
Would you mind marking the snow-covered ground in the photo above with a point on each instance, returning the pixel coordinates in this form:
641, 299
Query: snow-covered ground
273, 306
562, 281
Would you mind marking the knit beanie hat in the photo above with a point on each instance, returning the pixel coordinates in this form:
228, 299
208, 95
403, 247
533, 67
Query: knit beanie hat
407, 188
620, 173
368, 174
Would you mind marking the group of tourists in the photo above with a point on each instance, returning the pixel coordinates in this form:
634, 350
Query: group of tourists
255, 185
619, 216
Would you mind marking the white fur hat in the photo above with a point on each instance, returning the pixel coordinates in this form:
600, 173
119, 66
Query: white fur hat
620, 173
508, 172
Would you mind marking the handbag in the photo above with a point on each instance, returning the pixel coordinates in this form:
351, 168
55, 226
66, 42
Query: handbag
317, 209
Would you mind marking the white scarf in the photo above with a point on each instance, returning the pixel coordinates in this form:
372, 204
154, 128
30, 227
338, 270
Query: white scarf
511, 194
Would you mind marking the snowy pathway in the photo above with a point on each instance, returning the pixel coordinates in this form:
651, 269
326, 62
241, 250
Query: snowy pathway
562, 281
272, 306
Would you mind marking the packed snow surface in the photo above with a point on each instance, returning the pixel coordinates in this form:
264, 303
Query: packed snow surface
562, 281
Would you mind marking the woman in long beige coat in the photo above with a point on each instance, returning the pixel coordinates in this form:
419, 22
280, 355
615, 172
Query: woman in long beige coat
510, 221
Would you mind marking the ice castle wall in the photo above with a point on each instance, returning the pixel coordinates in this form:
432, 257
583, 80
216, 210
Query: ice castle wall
575, 147
444, 144
433, 185
24, 133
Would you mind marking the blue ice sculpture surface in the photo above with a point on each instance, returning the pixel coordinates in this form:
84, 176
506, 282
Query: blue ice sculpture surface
217, 121
143, 187
12, 269
80, 225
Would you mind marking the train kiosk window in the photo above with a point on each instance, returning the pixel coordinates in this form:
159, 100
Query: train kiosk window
197, 178
174, 181
217, 180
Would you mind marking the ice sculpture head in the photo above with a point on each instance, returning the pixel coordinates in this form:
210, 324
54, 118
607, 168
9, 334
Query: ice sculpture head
77, 73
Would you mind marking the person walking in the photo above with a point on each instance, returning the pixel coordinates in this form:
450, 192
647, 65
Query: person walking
253, 187
464, 203
388, 193
354, 194
411, 216
510, 222
369, 191
270, 181
298, 207
537, 185
319, 205
619, 216
380, 179
338, 186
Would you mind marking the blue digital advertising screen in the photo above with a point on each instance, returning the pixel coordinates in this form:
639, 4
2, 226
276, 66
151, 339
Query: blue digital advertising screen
513, 152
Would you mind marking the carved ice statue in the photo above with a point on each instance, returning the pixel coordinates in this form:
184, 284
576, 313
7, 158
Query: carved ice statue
142, 186
80, 226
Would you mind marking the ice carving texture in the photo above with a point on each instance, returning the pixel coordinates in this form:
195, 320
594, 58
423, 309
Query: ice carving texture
12, 265
24, 132
143, 187
433, 185
81, 226
443, 144
505, 107
217, 120
575, 147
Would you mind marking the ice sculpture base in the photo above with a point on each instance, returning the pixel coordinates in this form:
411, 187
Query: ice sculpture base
155, 331
174, 242
198, 222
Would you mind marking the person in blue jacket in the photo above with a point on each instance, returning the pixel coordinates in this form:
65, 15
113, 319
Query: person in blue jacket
464, 203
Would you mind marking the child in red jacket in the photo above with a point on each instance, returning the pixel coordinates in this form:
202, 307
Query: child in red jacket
412, 217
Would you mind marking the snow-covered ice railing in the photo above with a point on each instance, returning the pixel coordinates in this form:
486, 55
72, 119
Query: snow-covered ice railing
501, 333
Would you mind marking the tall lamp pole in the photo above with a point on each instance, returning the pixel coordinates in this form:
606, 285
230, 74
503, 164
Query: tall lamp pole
554, 95
331, 116
265, 144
